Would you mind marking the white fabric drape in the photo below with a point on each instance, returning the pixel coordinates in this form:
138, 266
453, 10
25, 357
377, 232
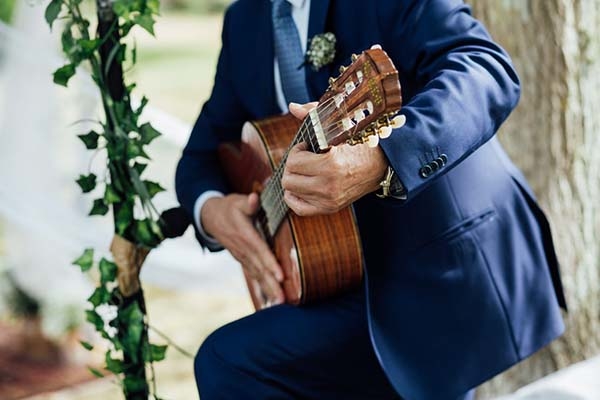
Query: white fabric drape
43, 222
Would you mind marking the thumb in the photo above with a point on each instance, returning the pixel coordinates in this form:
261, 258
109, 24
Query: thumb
301, 110
251, 205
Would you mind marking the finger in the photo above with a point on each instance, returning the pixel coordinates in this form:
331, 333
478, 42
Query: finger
306, 163
300, 147
251, 206
263, 257
302, 207
271, 288
301, 110
311, 186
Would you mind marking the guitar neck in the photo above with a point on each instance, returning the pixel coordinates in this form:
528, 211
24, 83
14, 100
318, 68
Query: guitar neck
356, 108
272, 202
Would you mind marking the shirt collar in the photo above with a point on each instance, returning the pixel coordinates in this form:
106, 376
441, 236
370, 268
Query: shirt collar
296, 3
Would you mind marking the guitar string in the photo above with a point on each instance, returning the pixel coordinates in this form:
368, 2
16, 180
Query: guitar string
272, 201
274, 206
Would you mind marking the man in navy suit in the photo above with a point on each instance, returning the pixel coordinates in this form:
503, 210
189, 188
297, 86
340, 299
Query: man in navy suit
461, 276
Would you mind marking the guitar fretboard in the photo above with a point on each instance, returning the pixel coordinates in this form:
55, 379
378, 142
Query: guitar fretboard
271, 198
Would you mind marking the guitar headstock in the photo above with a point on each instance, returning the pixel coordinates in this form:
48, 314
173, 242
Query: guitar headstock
361, 105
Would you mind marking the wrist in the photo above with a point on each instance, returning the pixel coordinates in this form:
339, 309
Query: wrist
208, 211
380, 168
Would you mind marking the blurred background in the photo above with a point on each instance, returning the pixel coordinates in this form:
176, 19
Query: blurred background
553, 136
43, 223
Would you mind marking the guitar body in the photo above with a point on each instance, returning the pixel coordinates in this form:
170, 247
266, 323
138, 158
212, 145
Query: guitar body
320, 255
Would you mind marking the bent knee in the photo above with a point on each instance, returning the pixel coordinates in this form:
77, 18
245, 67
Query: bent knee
215, 373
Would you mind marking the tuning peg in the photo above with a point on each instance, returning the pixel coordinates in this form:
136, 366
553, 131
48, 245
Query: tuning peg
353, 141
376, 47
331, 81
343, 69
398, 121
354, 57
384, 132
373, 141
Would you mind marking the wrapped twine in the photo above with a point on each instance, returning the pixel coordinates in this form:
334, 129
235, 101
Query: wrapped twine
129, 259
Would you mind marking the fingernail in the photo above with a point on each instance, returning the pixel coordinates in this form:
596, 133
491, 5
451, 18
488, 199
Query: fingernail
292, 104
279, 276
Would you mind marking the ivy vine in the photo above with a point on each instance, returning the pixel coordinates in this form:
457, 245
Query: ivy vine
119, 318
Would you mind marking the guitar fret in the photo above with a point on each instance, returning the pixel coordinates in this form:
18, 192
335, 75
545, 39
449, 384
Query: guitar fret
271, 198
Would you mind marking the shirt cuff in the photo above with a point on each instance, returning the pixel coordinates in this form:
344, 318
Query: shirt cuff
209, 194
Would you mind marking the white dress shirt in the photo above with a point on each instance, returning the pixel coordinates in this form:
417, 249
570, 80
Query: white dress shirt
300, 15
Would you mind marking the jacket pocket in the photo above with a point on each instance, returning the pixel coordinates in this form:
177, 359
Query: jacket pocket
464, 226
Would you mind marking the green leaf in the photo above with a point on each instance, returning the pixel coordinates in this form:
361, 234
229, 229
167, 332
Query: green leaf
133, 384
86, 260
153, 188
121, 8
100, 296
145, 21
140, 109
126, 27
66, 39
63, 74
111, 196
90, 140
148, 133
86, 345
95, 319
95, 372
124, 218
52, 11
134, 55
135, 150
139, 167
87, 183
131, 324
113, 365
144, 233
108, 271
153, 6
89, 44
156, 353
99, 208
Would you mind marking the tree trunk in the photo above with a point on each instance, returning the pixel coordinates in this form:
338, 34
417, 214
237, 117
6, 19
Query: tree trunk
554, 137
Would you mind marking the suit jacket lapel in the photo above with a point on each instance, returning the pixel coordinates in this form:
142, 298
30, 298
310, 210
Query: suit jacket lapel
263, 57
317, 80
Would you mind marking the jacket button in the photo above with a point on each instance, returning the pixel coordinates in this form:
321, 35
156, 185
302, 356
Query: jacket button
444, 159
435, 165
425, 171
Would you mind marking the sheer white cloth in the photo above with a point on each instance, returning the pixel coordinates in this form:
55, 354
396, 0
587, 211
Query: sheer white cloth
43, 222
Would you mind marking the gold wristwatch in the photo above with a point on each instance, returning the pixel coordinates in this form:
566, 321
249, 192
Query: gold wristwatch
391, 186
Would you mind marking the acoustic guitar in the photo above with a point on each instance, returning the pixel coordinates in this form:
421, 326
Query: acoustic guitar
320, 255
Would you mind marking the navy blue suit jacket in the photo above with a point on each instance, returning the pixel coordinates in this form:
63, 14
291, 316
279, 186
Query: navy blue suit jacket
462, 278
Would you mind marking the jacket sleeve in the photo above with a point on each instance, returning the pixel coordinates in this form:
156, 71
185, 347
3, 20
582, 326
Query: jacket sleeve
221, 118
461, 86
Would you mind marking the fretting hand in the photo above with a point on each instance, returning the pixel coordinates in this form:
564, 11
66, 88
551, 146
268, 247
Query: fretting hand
325, 183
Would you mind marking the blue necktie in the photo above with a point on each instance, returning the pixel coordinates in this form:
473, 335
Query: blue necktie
288, 52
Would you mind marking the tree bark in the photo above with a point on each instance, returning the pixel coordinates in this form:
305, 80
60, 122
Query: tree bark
554, 137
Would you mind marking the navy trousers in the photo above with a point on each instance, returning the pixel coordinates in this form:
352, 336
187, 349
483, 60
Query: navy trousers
321, 351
